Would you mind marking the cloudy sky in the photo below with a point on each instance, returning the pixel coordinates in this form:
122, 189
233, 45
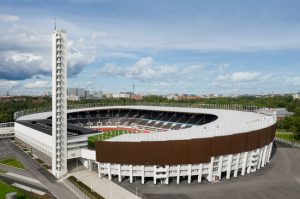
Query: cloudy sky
162, 46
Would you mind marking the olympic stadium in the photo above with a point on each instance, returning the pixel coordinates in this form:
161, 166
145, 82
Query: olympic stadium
143, 142
157, 143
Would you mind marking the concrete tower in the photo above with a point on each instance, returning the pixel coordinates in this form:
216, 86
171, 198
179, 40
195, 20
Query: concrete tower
59, 103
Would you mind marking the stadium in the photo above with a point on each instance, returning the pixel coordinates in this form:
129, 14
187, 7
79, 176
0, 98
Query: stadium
145, 142
158, 143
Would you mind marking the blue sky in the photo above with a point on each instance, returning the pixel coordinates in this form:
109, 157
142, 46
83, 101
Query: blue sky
162, 46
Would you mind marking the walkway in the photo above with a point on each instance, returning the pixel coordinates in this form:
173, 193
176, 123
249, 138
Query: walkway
40, 173
103, 186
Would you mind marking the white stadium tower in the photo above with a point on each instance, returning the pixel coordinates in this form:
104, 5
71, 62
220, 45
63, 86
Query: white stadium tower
59, 103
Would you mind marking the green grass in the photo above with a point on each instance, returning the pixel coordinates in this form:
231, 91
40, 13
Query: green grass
12, 162
6, 188
289, 137
84, 188
104, 136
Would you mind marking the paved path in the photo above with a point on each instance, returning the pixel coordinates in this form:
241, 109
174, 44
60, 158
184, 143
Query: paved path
40, 173
279, 179
103, 186
29, 183
15, 170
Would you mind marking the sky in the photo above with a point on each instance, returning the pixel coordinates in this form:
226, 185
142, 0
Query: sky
161, 46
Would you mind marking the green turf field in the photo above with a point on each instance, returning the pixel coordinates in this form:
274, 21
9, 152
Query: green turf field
104, 136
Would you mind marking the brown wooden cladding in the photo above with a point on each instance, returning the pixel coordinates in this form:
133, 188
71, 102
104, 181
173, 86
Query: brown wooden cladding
181, 151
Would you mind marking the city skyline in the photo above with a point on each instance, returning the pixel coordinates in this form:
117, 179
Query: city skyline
162, 47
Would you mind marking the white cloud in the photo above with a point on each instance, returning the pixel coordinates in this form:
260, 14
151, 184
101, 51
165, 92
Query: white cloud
89, 83
146, 69
98, 35
37, 84
190, 70
23, 57
9, 18
78, 59
223, 77
239, 76
293, 80
222, 67
244, 76
8, 84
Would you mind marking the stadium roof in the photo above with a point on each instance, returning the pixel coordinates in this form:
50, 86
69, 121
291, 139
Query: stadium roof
45, 126
228, 122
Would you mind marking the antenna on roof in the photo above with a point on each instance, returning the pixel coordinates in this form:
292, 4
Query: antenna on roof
54, 23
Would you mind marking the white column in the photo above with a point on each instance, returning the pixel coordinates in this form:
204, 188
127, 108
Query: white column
228, 172
220, 167
250, 162
154, 174
267, 154
143, 174
189, 173
210, 169
90, 165
264, 156
119, 173
270, 151
178, 174
167, 174
130, 174
200, 172
237, 166
109, 171
244, 163
257, 152
99, 170
260, 158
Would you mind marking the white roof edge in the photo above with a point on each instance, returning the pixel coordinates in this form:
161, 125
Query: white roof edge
228, 122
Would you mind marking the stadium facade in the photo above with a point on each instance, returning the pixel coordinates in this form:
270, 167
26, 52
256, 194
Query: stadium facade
159, 143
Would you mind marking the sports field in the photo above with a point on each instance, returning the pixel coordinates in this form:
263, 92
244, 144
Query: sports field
105, 136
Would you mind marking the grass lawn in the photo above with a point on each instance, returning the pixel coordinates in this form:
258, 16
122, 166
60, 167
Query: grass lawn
6, 188
12, 162
104, 136
289, 137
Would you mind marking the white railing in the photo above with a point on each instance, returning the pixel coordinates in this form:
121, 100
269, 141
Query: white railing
292, 143
248, 108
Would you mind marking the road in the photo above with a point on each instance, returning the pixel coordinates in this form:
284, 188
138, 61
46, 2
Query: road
40, 173
15, 170
12, 180
279, 179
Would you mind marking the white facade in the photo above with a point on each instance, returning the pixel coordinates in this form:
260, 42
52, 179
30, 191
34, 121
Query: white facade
59, 103
230, 165
7, 131
121, 95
